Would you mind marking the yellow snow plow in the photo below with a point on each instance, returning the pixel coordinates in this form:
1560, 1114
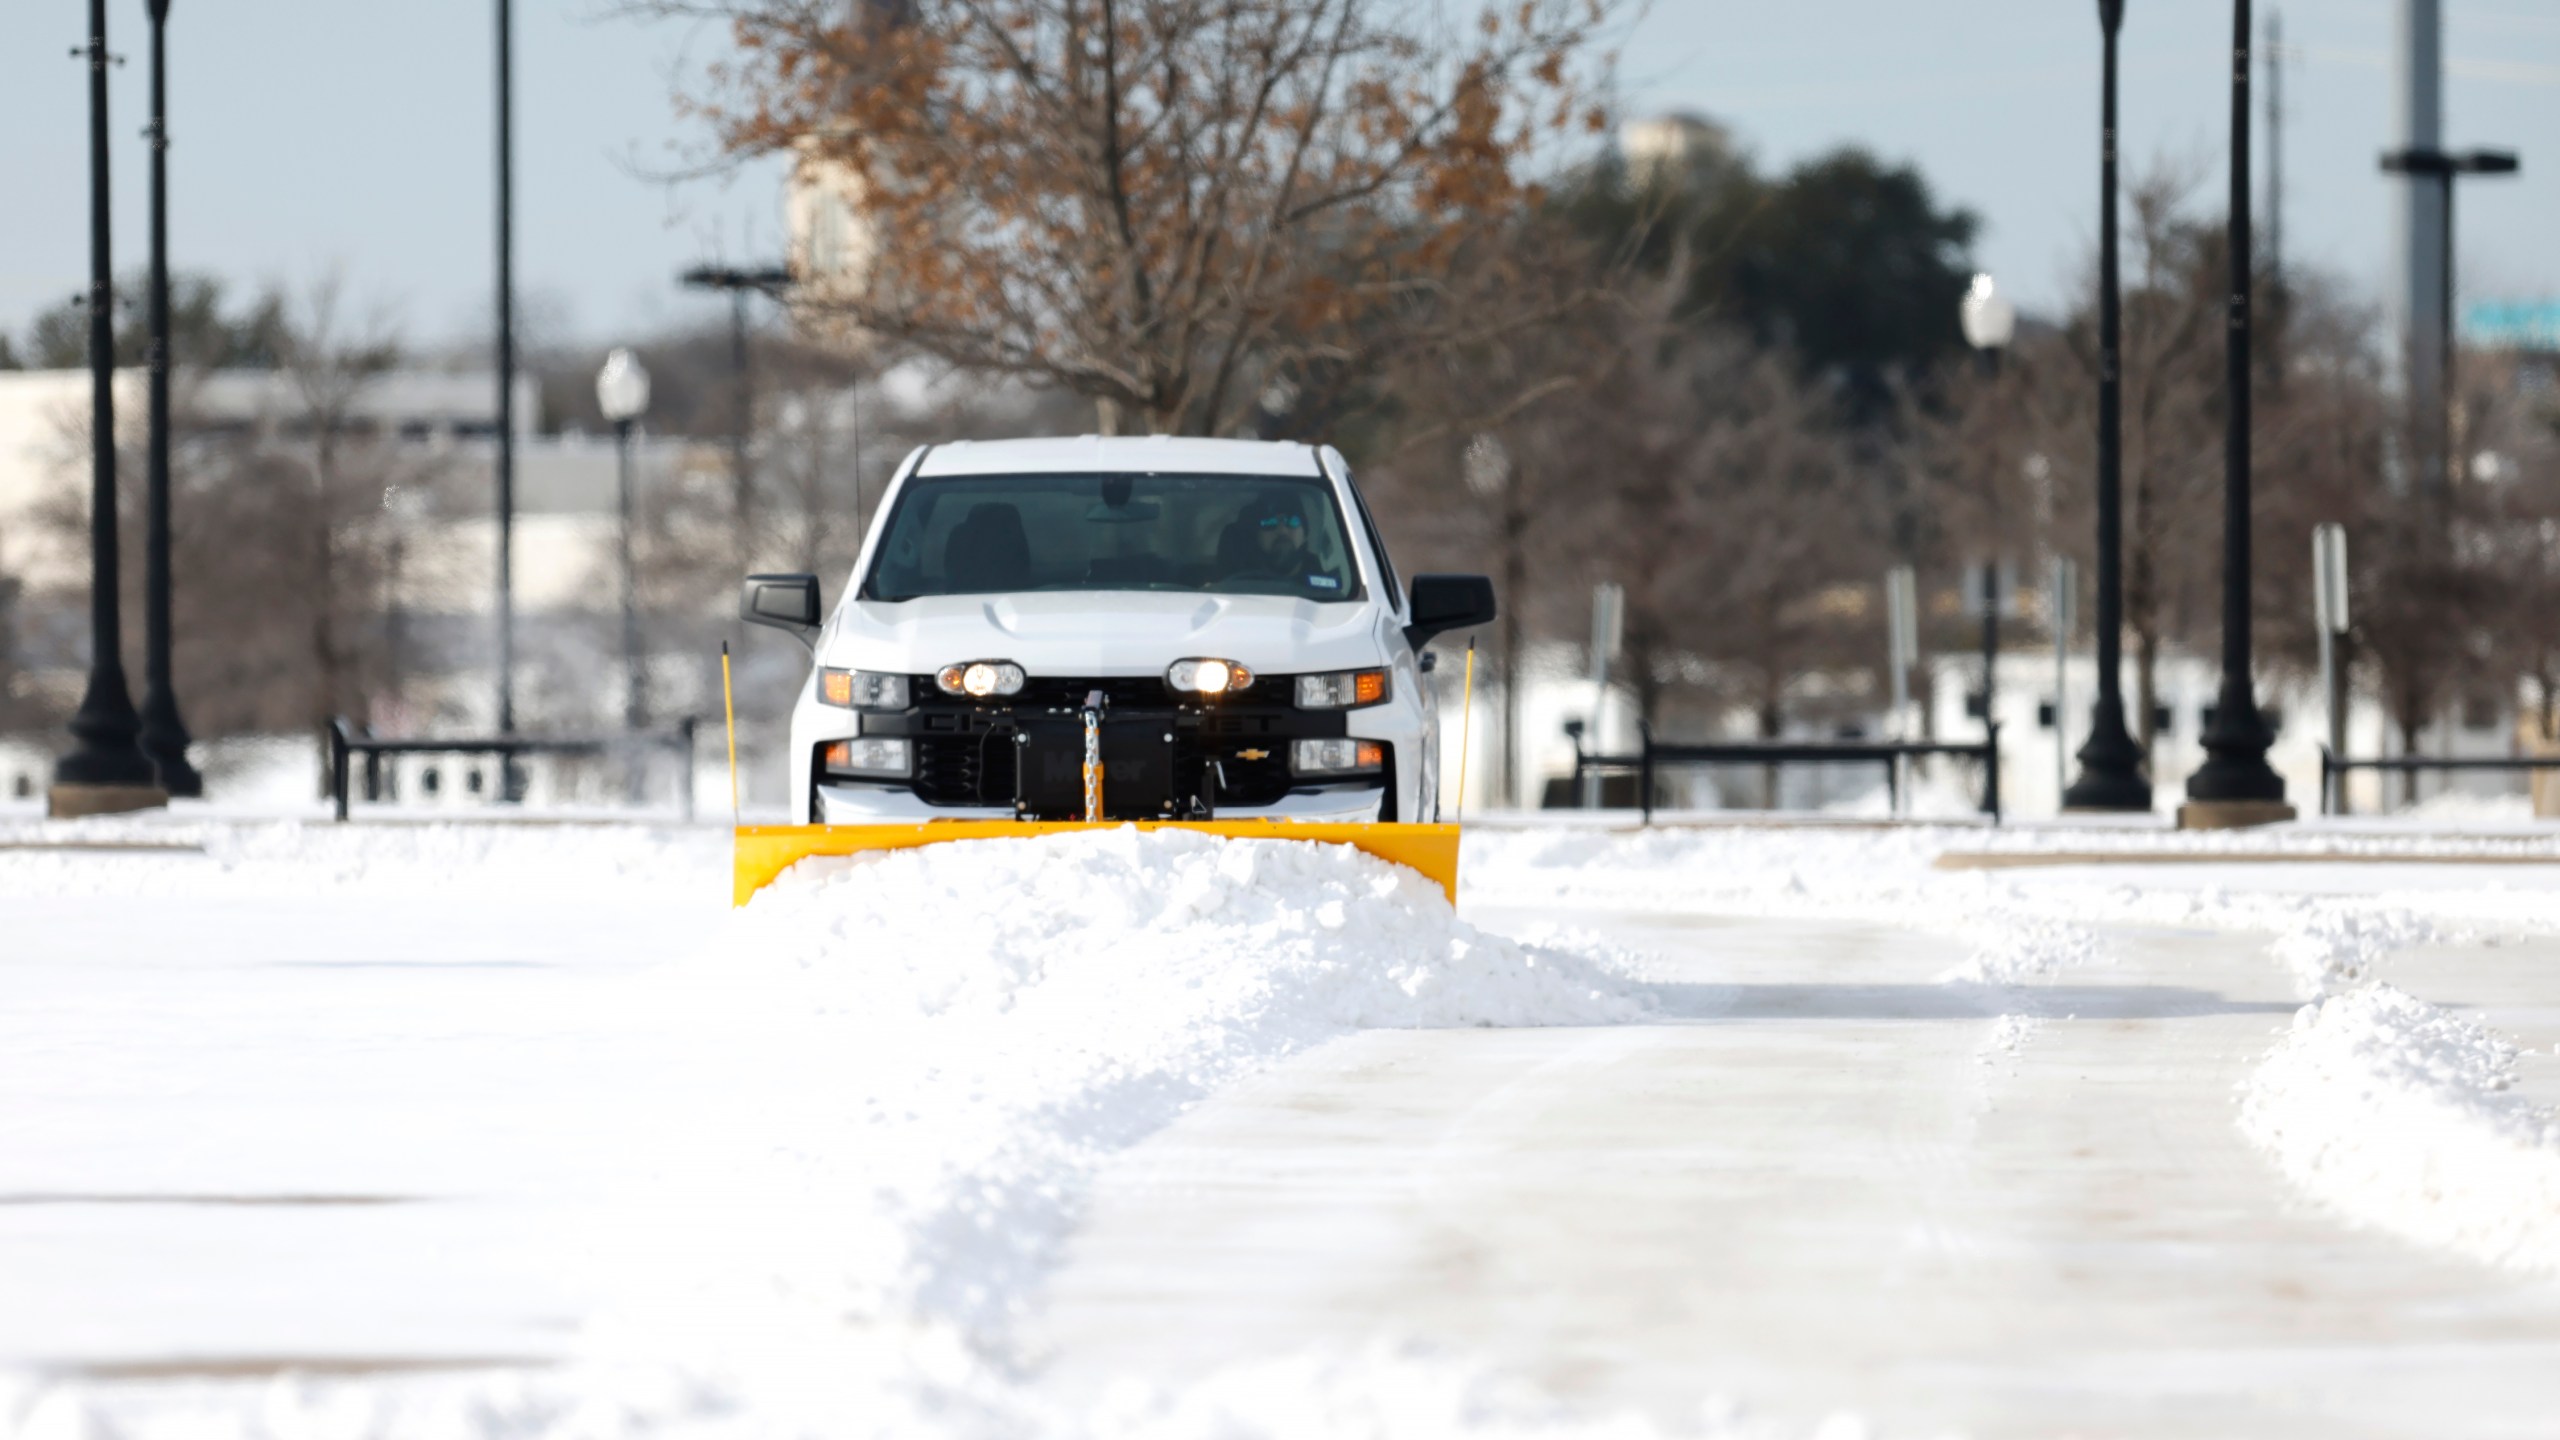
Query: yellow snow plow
764, 852
761, 853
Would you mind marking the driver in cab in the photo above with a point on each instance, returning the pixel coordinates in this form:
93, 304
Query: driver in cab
1274, 528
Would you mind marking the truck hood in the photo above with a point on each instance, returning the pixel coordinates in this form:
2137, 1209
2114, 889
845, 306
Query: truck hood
1078, 633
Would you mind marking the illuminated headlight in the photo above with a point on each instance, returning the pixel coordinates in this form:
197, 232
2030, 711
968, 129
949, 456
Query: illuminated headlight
1342, 690
1335, 757
872, 757
862, 690
979, 679
1207, 677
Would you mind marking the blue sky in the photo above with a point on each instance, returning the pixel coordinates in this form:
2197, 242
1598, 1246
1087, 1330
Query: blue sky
323, 133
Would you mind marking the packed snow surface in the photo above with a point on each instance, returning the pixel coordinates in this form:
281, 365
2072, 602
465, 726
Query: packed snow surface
2403, 1115
884, 1088
2327, 923
811, 1178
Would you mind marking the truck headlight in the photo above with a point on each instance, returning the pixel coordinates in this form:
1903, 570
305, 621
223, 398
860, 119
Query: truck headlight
862, 689
1335, 757
1207, 677
1342, 690
871, 757
979, 679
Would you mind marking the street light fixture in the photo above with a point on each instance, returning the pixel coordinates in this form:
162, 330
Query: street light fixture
2235, 786
1989, 320
106, 770
164, 731
2111, 775
622, 392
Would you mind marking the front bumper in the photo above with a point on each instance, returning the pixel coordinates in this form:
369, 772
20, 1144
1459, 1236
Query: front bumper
1165, 758
864, 804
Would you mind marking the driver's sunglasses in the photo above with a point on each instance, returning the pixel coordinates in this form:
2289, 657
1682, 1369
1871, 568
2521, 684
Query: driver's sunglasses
1292, 521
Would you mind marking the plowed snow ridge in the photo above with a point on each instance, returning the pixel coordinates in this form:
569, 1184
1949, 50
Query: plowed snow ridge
2399, 1114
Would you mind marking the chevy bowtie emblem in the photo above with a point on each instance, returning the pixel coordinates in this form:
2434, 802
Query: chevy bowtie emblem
1253, 754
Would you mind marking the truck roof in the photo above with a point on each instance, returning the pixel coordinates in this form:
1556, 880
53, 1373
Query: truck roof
1145, 454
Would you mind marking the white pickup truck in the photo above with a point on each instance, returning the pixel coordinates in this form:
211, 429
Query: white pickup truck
1215, 622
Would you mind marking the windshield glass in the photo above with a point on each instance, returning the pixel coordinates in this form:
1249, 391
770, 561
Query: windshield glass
1208, 534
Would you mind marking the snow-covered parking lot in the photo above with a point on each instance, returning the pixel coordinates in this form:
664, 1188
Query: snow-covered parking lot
516, 1130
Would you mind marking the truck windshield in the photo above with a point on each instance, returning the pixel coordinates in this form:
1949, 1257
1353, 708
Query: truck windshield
1208, 534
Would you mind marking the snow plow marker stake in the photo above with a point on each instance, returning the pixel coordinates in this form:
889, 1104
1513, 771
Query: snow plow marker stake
763, 852
1466, 726
729, 708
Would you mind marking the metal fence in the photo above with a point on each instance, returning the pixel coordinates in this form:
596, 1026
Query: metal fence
1652, 756
346, 744
2334, 769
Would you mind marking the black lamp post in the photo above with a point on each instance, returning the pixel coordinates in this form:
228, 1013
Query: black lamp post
2111, 775
2235, 785
164, 732
106, 770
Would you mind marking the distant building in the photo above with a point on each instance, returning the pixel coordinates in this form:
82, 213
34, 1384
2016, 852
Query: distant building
2527, 330
833, 244
1674, 149
44, 420
440, 430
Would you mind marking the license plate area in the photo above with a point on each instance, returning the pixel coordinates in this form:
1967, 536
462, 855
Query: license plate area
1137, 767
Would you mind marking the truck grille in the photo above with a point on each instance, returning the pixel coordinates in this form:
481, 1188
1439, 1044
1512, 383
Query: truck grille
965, 769
966, 754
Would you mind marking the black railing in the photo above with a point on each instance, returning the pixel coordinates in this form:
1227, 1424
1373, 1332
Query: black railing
2335, 767
1652, 756
345, 744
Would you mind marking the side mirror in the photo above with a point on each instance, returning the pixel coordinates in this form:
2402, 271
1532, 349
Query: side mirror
785, 602
1443, 603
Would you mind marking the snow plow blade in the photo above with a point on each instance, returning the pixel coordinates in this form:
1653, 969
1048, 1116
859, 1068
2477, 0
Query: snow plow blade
765, 851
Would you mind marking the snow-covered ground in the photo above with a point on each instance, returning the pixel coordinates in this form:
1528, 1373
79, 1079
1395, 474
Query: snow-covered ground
514, 1129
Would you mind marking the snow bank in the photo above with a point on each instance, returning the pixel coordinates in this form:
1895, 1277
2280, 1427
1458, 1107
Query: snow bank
883, 1092
2401, 1115
951, 1038
178, 857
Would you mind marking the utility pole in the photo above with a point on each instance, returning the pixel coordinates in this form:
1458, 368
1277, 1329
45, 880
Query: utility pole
2418, 103
506, 395
2431, 415
164, 731
106, 771
771, 280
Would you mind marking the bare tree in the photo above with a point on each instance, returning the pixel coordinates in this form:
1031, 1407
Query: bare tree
331, 362
1155, 203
